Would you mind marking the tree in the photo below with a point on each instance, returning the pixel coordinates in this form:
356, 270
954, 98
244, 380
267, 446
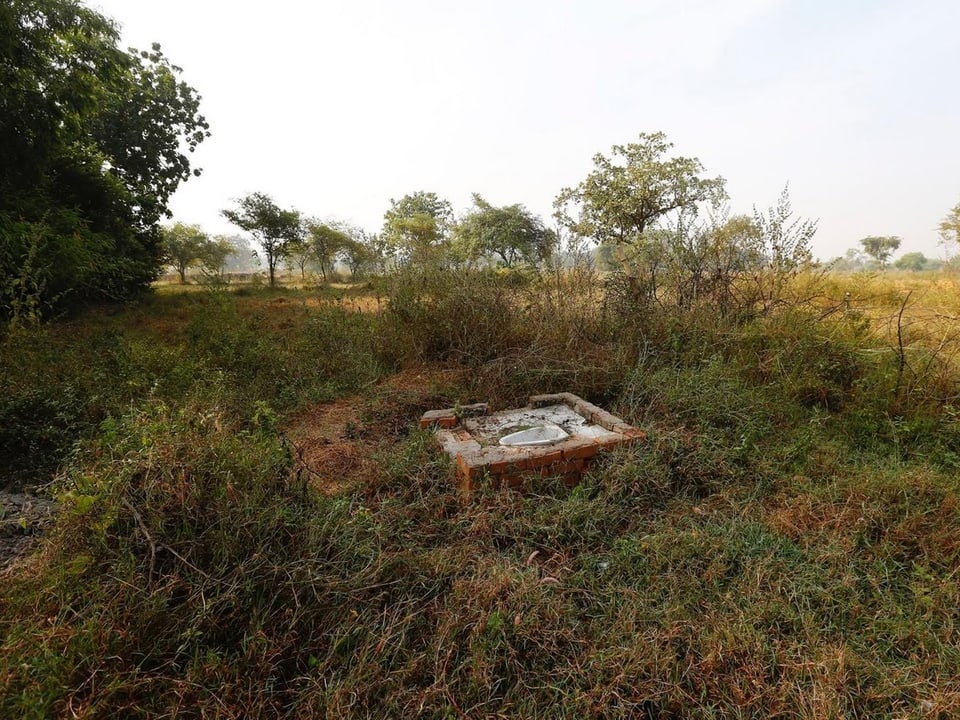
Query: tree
92, 145
360, 252
632, 190
729, 248
272, 228
643, 202
326, 240
214, 256
511, 233
784, 250
376, 252
880, 247
417, 226
912, 261
357, 257
299, 255
853, 260
183, 247
143, 125
950, 229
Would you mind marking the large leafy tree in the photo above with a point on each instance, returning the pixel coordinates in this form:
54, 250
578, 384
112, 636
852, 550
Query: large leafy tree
213, 259
417, 226
365, 252
361, 253
357, 256
299, 255
273, 228
634, 189
183, 247
325, 241
914, 262
92, 145
512, 233
186, 246
880, 247
644, 202
145, 124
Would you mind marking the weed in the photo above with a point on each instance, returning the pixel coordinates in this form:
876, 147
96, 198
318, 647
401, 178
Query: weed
783, 545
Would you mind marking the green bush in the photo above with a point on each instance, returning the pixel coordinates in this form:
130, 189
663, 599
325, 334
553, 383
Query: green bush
187, 557
439, 313
38, 428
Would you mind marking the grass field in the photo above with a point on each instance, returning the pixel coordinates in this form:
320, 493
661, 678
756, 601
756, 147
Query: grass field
253, 526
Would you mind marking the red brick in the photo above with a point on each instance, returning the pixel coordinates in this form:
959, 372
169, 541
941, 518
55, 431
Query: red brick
547, 456
570, 400
512, 480
467, 466
563, 468
475, 410
607, 444
605, 419
433, 417
514, 465
584, 409
456, 441
495, 459
519, 466
580, 448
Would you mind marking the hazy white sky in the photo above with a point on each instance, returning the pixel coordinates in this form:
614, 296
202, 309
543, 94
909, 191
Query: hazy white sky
336, 106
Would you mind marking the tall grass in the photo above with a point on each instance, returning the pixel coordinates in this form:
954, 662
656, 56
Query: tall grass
59, 382
784, 545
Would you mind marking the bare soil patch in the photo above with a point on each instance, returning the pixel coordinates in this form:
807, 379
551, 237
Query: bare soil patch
336, 442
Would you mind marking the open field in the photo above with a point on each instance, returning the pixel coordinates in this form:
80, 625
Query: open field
252, 525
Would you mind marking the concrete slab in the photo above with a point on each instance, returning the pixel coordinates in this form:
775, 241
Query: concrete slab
472, 439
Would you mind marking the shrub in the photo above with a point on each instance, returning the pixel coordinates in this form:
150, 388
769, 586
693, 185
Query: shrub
38, 427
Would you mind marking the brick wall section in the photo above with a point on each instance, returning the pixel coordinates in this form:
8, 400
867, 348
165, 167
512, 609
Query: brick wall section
510, 467
451, 416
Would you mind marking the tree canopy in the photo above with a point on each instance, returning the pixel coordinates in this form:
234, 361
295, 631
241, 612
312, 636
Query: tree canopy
633, 189
325, 242
914, 262
216, 252
272, 227
880, 247
512, 233
417, 225
93, 142
183, 247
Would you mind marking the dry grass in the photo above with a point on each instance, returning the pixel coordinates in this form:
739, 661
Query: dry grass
785, 545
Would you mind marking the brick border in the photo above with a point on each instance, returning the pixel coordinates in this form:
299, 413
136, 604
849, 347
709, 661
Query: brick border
510, 467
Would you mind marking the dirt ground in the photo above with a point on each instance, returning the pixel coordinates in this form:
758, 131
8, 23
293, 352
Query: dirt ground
335, 443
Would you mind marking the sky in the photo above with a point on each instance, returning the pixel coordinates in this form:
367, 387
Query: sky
336, 106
